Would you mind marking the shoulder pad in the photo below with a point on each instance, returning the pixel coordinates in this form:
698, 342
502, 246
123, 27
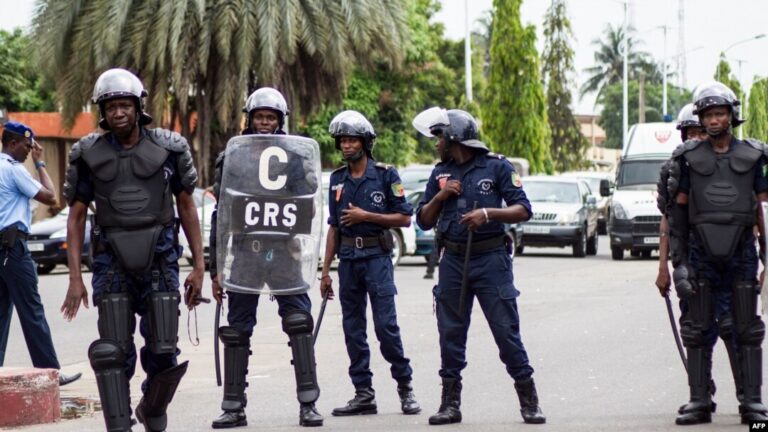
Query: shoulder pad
82, 145
383, 165
756, 144
686, 147
169, 140
493, 155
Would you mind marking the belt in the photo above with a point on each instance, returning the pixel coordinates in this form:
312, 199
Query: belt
360, 242
19, 234
477, 247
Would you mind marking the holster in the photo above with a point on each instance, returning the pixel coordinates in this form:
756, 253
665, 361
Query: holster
163, 321
386, 241
8, 238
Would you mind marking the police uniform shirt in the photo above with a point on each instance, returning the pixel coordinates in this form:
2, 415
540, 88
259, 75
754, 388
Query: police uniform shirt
487, 179
379, 190
84, 191
761, 181
17, 188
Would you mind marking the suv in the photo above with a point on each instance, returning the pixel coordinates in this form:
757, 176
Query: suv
564, 214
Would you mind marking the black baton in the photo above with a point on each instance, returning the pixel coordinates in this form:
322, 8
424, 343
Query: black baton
216, 360
674, 331
465, 276
320, 318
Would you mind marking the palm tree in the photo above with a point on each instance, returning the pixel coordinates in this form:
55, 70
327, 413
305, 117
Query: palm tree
609, 62
206, 55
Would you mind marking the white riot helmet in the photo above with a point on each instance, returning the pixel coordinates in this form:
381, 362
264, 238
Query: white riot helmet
120, 83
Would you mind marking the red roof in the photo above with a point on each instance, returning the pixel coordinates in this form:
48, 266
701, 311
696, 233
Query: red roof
48, 124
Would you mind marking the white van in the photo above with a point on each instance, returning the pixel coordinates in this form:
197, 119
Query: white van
633, 222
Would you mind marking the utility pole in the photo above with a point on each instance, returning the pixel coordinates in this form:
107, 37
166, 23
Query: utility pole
625, 73
467, 54
681, 63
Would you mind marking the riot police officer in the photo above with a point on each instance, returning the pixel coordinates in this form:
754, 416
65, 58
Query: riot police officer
266, 263
464, 193
366, 198
715, 186
131, 173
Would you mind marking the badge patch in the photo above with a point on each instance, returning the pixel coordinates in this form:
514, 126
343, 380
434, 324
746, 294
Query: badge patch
442, 181
516, 180
377, 198
485, 186
338, 188
398, 190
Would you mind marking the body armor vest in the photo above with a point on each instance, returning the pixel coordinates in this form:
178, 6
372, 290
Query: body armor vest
722, 202
133, 199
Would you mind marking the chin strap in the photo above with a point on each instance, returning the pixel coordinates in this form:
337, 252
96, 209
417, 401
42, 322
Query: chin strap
355, 157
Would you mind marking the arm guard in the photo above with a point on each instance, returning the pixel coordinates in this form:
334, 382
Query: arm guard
662, 194
176, 143
71, 175
679, 232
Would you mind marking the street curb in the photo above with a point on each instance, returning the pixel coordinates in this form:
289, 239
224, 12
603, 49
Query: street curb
28, 396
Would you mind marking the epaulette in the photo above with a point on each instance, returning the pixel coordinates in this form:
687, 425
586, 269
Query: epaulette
383, 165
493, 155
82, 145
169, 140
685, 147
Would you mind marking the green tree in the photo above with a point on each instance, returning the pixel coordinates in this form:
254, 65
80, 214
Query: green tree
611, 100
724, 75
21, 87
206, 55
756, 125
609, 62
568, 145
515, 111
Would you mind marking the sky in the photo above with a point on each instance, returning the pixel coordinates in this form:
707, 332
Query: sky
704, 37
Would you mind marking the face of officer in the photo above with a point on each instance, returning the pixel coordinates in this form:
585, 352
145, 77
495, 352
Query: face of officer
121, 115
17, 146
351, 148
716, 120
442, 148
264, 121
695, 133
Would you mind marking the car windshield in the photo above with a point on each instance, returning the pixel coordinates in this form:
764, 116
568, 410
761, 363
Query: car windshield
633, 173
560, 192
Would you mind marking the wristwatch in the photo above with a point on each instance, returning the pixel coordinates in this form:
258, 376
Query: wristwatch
40, 164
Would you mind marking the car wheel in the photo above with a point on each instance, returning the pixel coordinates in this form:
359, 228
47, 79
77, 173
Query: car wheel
602, 228
592, 245
646, 254
45, 268
634, 253
519, 249
617, 253
397, 250
580, 247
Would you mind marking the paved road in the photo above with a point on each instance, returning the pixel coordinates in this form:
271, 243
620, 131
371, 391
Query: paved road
596, 331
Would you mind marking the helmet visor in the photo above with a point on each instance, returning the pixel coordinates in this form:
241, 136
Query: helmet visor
430, 118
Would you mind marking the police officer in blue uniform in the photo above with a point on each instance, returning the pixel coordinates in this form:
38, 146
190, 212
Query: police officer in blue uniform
366, 198
715, 187
18, 280
131, 174
271, 262
464, 193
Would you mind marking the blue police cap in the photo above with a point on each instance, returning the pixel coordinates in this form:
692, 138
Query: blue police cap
19, 129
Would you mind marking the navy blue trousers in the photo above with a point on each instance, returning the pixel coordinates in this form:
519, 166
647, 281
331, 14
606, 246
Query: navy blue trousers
491, 283
18, 287
359, 280
242, 308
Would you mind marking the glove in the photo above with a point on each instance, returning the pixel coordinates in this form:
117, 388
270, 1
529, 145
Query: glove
683, 278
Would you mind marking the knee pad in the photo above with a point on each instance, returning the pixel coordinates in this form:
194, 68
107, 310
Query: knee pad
727, 328
107, 359
754, 334
163, 321
298, 322
692, 334
116, 319
230, 336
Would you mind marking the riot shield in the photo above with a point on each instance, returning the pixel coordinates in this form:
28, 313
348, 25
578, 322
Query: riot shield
269, 215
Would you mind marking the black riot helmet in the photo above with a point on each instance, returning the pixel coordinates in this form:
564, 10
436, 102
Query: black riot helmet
120, 83
686, 119
717, 94
353, 124
461, 128
266, 98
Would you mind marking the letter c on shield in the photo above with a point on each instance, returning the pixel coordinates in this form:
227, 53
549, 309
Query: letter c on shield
266, 155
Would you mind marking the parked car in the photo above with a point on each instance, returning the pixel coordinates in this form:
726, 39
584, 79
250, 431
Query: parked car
205, 203
425, 240
414, 177
47, 242
603, 202
404, 237
564, 214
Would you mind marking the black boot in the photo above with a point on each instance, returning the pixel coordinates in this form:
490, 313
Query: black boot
751, 407
449, 404
230, 419
308, 415
699, 409
407, 399
529, 402
364, 402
